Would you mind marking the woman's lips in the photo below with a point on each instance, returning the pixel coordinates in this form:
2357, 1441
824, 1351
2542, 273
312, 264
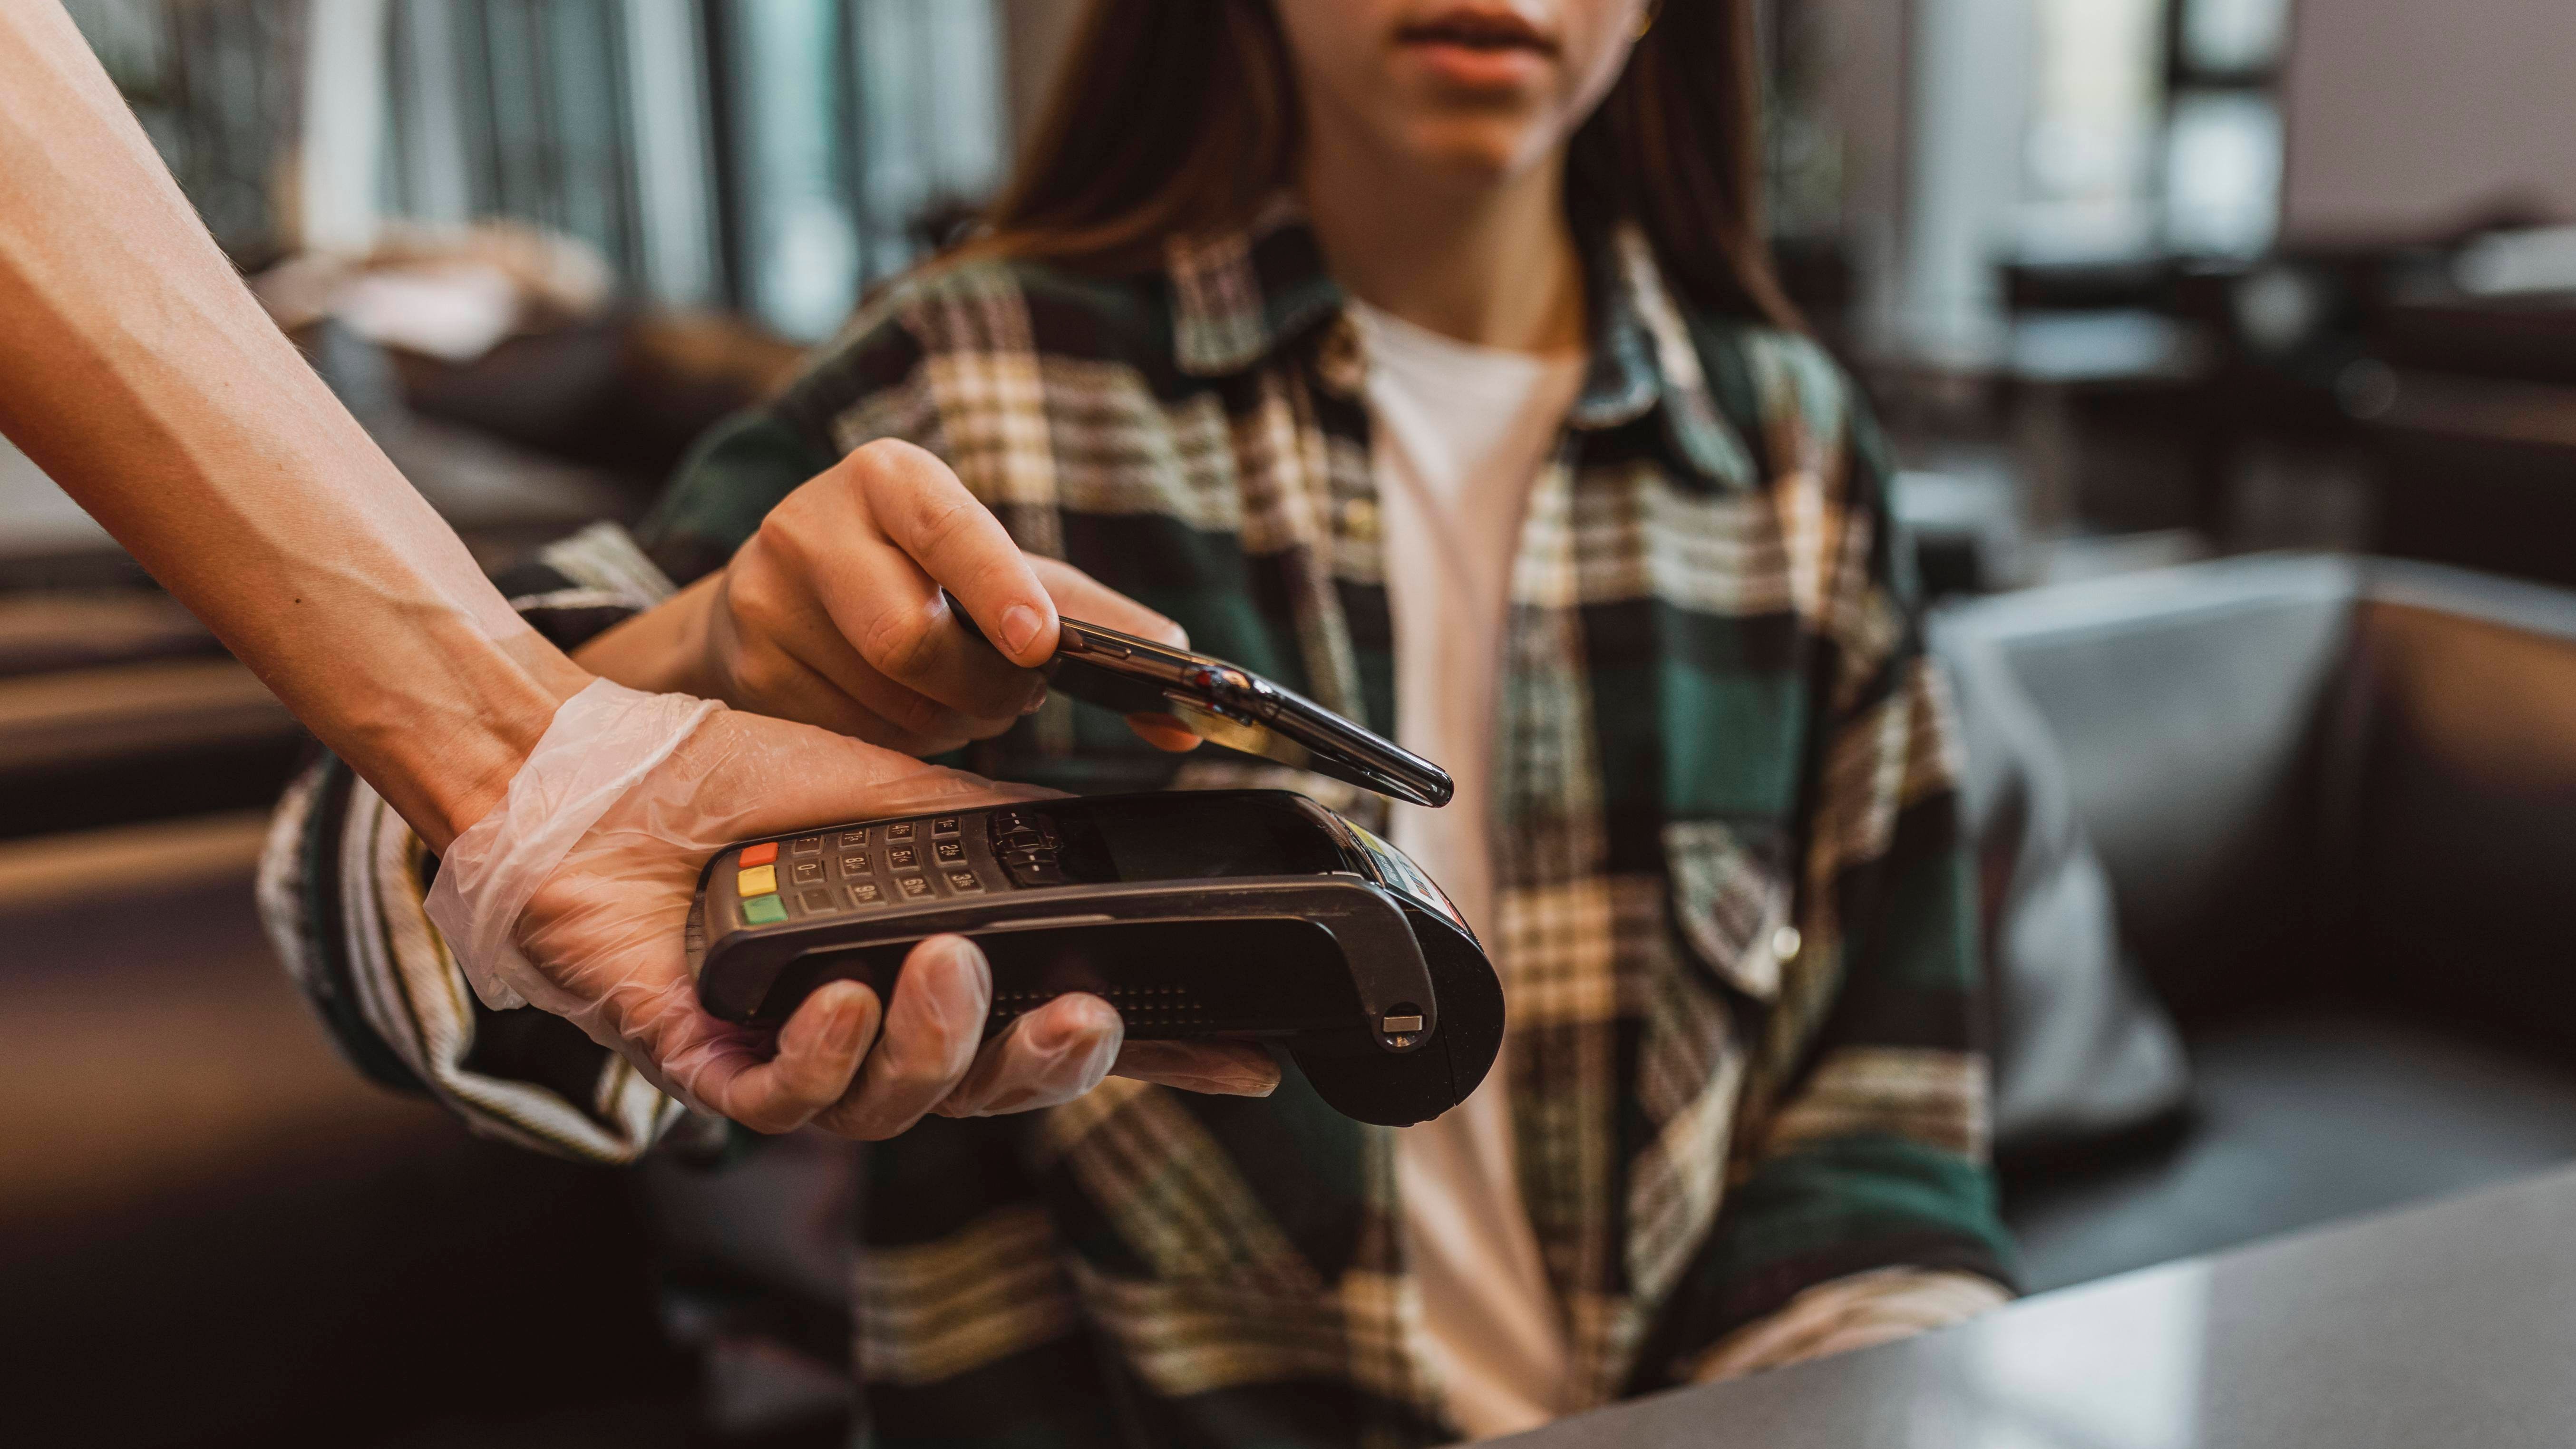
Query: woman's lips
1478, 49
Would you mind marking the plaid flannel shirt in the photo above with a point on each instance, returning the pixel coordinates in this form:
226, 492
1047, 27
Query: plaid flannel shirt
1734, 920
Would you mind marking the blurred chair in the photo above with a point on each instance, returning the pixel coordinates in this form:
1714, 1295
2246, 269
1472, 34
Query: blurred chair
2472, 408
2336, 802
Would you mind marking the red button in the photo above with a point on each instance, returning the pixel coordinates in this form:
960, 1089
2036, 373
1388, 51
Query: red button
761, 854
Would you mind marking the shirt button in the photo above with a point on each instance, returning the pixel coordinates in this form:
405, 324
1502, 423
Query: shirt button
1359, 518
1786, 942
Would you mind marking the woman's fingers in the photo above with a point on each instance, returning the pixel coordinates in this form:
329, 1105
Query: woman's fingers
905, 632
932, 1030
1078, 595
958, 542
775, 681
1164, 732
817, 585
858, 556
954, 542
1221, 1068
843, 584
1044, 1059
925, 725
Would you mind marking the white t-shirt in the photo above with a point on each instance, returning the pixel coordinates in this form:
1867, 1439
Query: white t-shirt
1461, 433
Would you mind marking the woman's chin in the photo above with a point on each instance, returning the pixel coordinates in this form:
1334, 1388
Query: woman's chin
1480, 150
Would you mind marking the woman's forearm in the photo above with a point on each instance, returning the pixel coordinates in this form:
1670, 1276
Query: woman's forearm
662, 649
137, 371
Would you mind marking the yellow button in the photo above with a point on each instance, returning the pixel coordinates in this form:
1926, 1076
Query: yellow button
1360, 519
758, 881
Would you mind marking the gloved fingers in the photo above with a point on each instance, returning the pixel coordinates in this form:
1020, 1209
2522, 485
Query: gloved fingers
1220, 1068
1044, 1059
819, 1053
933, 1028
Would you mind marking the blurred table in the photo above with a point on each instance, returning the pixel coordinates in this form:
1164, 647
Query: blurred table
2449, 1324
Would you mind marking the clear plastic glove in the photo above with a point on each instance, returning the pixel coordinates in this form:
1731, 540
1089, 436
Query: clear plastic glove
573, 893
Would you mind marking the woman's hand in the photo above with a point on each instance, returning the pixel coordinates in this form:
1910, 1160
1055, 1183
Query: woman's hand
831, 614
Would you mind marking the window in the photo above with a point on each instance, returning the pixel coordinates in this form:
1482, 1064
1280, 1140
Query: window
2096, 102
513, 108
2152, 127
2222, 173
853, 122
793, 222
214, 84
772, 155
2241, 38
2222, 182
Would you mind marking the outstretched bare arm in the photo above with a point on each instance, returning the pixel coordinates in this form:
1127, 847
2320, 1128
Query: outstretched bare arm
143, 377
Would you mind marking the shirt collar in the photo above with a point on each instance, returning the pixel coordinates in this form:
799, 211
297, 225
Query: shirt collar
1239, 297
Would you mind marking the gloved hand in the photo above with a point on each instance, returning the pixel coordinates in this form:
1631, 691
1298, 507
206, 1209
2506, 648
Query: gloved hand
572, 895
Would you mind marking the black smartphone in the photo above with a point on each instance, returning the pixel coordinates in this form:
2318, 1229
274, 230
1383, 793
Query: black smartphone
1230, 706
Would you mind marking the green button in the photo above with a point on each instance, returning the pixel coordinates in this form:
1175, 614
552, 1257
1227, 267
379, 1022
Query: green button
764, 910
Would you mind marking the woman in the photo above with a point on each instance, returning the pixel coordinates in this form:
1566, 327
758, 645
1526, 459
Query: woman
1424, 357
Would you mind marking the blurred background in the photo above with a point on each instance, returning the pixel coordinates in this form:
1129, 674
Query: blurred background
2229, 347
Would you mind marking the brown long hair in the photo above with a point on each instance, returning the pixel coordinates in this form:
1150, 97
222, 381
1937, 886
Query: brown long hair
1170, 117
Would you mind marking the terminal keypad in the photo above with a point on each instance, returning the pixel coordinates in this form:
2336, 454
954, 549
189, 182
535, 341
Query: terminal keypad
903, 862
